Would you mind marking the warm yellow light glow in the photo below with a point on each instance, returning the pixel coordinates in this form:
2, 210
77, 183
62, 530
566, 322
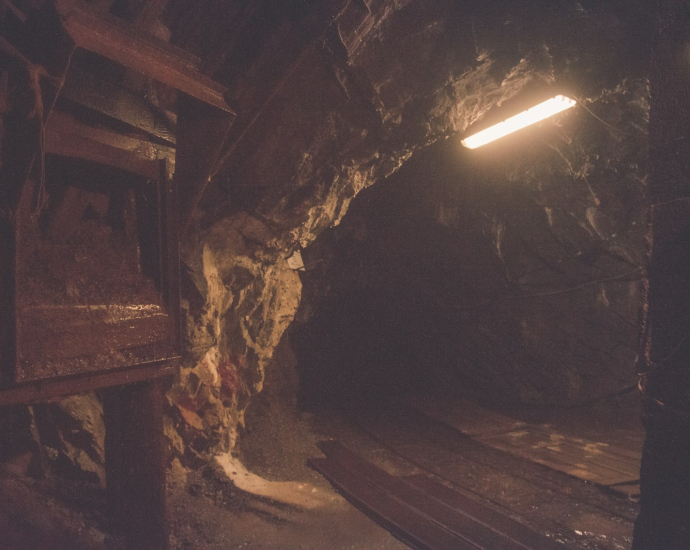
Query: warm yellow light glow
518, 122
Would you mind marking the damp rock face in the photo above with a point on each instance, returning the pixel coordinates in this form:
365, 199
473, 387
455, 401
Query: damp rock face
516, 270
391, 79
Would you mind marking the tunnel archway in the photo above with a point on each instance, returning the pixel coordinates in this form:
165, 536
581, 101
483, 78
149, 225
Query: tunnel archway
516, 270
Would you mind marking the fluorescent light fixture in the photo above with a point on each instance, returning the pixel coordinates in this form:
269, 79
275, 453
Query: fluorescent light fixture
518, 122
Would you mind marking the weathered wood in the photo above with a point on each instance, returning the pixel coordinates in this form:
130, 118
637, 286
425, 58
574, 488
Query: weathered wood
135, 463
111, 100
170, 251
466, 417
456, 500
403, 521
142, 53
201, 132
37, 392
66, 136
455, 519
67, 340
589, 460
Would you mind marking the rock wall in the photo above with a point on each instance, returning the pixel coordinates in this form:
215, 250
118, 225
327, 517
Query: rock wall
516, 269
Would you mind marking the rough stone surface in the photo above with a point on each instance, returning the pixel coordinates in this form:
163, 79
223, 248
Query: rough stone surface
393, 79
516, 269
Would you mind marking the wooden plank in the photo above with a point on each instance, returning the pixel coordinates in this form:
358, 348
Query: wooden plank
67, 340
142, 53
458, 501
549, 458
403, 521
37, 392
577, 457
67, 137
538, 449
116, 102
135, 461
466, 417
573, 449
459, 522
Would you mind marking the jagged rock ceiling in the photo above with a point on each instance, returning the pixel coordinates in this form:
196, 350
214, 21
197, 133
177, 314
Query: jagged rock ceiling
390, 79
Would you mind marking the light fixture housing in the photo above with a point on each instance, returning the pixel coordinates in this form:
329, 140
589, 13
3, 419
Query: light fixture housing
526, 118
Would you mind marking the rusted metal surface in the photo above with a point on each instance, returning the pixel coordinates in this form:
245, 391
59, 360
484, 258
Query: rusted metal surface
470, 521
140, 52
36, 392
135, 464
524, 536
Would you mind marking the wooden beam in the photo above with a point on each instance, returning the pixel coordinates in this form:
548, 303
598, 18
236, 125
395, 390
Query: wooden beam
67, 137
135, 50
63, 126
135, 463
43, 391
111, 100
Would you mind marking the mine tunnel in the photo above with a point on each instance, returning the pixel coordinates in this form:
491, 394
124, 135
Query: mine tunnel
262, 286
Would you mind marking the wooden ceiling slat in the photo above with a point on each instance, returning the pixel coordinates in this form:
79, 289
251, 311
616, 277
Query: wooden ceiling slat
135, 50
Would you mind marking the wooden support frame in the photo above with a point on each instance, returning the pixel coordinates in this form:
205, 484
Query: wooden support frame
140, 52
118, 103
135, 463
66, 136
133, 395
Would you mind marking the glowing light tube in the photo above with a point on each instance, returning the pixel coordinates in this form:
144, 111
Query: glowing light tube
518, 122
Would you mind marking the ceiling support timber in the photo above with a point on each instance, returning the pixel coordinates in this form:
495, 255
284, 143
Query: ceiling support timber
201, 132
277, 63
30, 91
67, 137
118, 103
139, 52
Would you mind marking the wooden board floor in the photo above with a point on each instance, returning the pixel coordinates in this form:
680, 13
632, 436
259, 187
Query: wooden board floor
421, 511
615, 468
